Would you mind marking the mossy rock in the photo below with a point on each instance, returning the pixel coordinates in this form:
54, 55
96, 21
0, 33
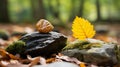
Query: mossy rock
17, 47
81, 44
4, 35
94, 51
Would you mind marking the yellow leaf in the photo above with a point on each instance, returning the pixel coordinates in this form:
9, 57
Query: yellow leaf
82, 65
82, 29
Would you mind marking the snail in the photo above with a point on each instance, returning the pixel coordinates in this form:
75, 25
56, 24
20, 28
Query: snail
44, 26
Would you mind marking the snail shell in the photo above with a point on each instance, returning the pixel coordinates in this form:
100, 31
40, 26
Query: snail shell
44, 26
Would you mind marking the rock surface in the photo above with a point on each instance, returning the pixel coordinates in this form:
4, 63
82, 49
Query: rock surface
104, 55
58, 64
43, 44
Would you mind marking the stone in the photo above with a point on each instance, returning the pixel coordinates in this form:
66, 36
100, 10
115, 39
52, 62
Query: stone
58, 64
44, 26
43, 44
104, 55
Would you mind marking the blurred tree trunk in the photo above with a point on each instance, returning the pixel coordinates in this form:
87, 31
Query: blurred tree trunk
81, 8
54, 9
38, 9
98, 10
75, 9
4, 17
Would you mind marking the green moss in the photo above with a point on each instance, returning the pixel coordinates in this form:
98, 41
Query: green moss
76, 44
117, 52
17, 47
4, 34
81, 44
90, 45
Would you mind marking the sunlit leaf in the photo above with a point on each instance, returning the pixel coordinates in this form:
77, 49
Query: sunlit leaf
82, 65
82, 29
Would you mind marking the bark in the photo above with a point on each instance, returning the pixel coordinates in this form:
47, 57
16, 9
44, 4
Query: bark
81, 7
98, 10
38, 9
4, 16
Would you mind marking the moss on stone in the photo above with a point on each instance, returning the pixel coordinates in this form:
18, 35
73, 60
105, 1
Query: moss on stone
81, 44
17, 47
4, 34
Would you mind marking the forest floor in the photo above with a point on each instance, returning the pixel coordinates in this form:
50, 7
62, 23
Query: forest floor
105, 32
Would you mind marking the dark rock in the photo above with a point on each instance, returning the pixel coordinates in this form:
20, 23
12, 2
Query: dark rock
43, 44
104, 55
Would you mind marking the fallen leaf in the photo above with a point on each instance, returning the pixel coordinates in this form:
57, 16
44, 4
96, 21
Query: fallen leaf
69, 59
7, 56
36, 60
82, 65
82, 29
17, 65
50, 60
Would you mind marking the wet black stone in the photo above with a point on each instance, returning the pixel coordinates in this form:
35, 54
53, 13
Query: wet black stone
43, 44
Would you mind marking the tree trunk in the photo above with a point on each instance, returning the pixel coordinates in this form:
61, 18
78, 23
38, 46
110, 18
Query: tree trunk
81, 8
98, 10
38, 9
4, 17
41, 9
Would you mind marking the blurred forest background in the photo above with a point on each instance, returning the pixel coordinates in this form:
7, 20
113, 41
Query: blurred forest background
18, 17
59, 12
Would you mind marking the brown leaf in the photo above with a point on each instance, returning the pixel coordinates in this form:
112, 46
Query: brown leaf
117, 65
12, 63
17, 65
82, 65
42, 61
25, 61
4, 54
13, 57
7, 56
50, 60
36, 60
69, 59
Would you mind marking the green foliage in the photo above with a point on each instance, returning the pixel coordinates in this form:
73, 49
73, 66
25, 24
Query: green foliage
58, 9
65, 9
17, 47
20, 10
60, 12
89, 11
